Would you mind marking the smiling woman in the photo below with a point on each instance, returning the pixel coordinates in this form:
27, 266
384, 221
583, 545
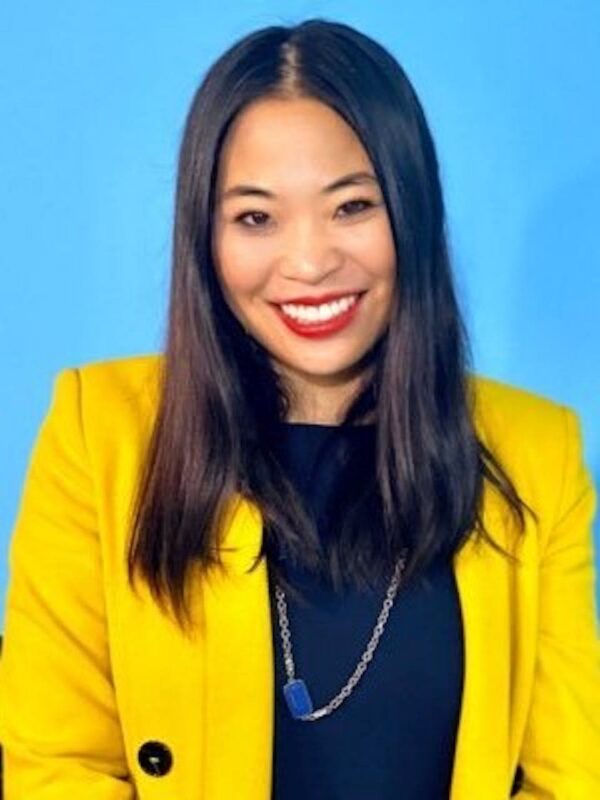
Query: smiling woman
305, 551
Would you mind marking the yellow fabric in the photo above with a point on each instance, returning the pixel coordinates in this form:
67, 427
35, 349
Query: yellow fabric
90, 671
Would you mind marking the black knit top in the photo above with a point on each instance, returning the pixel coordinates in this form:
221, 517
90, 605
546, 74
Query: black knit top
394, 736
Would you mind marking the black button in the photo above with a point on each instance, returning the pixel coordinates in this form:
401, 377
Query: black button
155, 758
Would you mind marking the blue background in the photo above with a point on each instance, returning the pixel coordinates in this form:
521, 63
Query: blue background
92, 101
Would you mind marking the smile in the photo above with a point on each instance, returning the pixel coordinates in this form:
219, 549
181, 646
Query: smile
316, 321
322, 313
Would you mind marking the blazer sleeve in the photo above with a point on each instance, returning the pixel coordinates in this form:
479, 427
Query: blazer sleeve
561, 750
59, 724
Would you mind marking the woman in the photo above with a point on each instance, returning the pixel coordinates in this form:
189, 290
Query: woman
304, 552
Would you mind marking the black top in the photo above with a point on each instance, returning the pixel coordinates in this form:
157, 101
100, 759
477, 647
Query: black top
394, 736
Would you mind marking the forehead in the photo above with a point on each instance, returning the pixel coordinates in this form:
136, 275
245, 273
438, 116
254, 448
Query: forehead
297, 139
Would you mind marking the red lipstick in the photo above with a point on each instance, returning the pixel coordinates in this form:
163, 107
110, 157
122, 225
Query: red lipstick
317, 330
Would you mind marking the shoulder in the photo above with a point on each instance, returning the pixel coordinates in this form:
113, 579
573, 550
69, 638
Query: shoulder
126, 376
536, 439
111, 399
504, 410
126, 379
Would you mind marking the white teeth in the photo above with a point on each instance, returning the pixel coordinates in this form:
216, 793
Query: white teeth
321, 313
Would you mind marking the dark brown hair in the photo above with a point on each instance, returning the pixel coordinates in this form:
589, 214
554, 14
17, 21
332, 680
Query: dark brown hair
220, 396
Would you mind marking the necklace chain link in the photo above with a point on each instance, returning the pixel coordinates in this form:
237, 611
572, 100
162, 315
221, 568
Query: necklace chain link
364, 660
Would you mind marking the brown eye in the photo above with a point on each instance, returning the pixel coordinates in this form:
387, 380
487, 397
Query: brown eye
252, 214
352, 204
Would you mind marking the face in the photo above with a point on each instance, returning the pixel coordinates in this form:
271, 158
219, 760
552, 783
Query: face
302, 244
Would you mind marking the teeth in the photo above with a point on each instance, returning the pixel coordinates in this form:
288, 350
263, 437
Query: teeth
321, 313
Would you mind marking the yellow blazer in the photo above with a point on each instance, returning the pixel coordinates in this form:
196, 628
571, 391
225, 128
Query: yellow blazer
98, 686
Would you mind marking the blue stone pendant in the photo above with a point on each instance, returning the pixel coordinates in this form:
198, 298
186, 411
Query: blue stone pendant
297, 698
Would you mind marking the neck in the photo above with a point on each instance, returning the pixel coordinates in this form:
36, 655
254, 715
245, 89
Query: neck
321, 401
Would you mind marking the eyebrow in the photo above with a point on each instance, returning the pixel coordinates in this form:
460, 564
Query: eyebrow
353, 179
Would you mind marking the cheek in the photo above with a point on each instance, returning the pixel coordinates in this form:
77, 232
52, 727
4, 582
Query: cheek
387, 248
241, 268
378, 254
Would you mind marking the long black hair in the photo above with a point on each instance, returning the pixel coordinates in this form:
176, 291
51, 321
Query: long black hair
220, 396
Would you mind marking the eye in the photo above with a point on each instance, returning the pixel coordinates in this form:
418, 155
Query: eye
354, 203
253, 214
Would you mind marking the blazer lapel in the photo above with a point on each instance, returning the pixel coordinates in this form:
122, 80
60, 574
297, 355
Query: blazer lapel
238, 672
493, 703
480, 761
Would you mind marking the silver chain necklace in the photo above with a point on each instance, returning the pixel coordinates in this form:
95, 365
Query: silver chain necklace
295, 691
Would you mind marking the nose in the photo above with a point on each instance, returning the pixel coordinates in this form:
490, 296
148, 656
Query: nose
308, 254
